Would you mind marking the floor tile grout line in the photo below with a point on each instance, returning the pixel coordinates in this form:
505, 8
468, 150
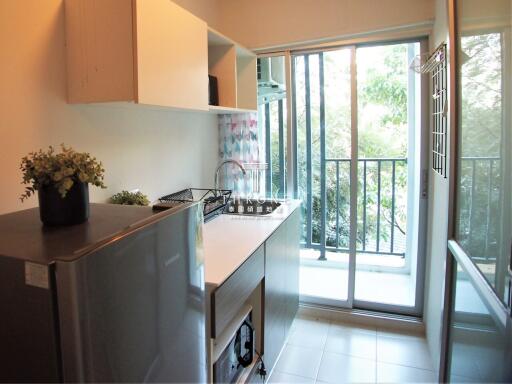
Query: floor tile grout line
308, 348
319, 365
330, 324
352, 356
406, 366
323, 350
414, 339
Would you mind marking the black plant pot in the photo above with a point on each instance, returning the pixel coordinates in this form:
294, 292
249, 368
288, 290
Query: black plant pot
72, 209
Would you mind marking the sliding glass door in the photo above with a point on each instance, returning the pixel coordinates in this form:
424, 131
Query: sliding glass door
390, 210
357, 124
322, 109
478, 342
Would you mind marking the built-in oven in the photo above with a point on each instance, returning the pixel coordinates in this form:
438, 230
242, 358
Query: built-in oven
238, 354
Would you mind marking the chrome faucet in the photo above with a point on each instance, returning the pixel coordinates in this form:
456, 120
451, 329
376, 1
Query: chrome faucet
240, 165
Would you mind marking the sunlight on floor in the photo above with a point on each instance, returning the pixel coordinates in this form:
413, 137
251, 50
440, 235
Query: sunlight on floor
329, 279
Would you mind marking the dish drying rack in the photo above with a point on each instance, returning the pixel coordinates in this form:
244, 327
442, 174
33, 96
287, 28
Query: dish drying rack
214, 200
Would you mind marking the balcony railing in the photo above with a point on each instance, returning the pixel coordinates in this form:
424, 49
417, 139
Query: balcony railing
479, 221
379, 189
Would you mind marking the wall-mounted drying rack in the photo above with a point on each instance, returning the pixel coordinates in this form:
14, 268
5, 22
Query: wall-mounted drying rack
425, 62
436, 64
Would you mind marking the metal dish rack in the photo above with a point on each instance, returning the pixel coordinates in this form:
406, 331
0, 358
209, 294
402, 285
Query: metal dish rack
214, 200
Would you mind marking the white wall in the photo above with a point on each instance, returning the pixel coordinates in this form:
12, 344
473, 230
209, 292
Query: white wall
157, 151
207, 10
267, 23
437, 223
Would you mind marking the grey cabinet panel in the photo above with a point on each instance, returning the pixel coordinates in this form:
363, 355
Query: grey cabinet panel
292, 266
274, 330
281, 286
29, 352
229, 298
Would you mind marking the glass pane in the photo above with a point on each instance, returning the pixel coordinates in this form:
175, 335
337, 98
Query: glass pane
337, 92
324, 275
314, 99
477, 345
388, 128
300, 131
484, 167
272, 126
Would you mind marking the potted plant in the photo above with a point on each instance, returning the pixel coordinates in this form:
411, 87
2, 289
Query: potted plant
62, 183
130, 198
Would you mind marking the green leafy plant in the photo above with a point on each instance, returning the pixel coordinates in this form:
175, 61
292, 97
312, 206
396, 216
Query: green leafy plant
130, 198
62, 170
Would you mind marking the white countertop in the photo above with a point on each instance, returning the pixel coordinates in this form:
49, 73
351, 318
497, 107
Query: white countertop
230, 239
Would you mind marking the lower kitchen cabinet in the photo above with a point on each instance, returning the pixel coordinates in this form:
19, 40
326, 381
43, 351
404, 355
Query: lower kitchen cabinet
292, 267
281, 286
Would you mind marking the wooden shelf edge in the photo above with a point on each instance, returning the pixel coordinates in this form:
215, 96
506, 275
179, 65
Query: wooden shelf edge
228, 110
214, 109
132, 104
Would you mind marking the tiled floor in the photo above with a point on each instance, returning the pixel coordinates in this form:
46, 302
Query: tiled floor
320, 351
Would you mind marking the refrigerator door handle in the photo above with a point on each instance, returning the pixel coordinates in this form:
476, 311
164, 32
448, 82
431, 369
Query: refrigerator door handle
509, 292
509, 271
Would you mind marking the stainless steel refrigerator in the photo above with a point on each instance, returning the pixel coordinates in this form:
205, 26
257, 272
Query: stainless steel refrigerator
118, 299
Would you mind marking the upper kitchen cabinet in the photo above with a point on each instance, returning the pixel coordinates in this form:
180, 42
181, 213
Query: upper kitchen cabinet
247, 87
235, 69
147, 52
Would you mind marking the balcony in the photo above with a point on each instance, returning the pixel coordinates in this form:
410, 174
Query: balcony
381, 234
383, 262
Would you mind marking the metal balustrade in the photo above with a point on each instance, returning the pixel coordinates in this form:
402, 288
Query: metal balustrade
378, 230
368, 224
480, 211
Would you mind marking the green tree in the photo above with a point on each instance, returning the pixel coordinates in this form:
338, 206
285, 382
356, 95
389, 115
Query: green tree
382, 98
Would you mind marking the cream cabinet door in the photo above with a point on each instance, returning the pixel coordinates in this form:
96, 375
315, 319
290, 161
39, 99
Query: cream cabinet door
171, 52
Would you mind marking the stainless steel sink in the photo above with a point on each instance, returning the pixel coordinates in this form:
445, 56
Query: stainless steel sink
251, 207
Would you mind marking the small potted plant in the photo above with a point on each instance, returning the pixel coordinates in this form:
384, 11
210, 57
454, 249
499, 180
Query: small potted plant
62, 183
130, 198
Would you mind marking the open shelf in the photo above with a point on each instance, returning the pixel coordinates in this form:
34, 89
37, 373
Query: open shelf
234, 66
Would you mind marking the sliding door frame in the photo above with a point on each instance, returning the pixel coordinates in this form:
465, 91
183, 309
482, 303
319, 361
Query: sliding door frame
348, 303
292, 173
417, 309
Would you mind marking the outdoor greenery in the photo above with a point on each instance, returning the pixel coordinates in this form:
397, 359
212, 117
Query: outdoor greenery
480, 184
61, 170
130, 198
382, 90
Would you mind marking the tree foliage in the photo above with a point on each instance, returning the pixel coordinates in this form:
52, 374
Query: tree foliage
382, 128
480, 175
